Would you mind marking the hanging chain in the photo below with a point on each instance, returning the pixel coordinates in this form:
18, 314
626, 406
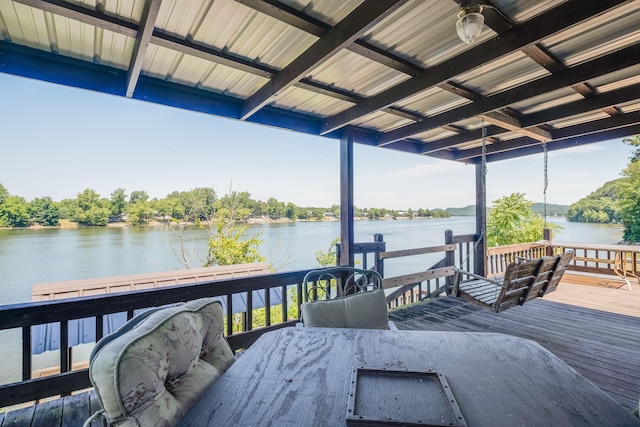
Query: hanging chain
484, 191
546, 180
484, 154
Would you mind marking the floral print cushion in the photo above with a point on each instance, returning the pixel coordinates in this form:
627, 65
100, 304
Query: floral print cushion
152, 374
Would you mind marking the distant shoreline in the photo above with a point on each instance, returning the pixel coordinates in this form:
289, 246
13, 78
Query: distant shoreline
65, 224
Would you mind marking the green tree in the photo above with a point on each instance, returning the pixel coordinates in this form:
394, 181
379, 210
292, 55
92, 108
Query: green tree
138, 196
511, 221
634, 141
291, 211
328, 258
234, 206
14, 212
601, 206
630, 202
118, 202
275, 208
199, 203
68, 209
44, 211
91, 209
226, 247
170, 208
4, 193
139, 212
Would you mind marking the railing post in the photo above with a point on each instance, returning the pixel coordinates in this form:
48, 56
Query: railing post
450, 258
379, 263
547, 235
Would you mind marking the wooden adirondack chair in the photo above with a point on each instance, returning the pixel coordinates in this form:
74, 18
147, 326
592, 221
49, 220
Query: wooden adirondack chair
522, 281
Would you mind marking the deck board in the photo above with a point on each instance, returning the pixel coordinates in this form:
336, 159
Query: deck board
604, 346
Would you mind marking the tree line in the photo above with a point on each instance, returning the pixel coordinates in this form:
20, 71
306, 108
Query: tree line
198, 204
617, 201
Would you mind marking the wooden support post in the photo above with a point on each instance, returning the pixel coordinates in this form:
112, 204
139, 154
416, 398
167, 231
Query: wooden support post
346, 198
379, 263
547, 235
480, 253
450, 259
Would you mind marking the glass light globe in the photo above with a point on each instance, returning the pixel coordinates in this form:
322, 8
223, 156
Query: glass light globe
469, 27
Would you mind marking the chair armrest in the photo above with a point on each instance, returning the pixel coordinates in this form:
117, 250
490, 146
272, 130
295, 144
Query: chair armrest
460, 272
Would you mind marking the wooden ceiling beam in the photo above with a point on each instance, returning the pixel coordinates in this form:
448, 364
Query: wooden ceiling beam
168, 41
568, 143
585, 89
84, 15
603, 65
512, 123
592, 103
569, 132
466, 136
359, 21
605, 101
544, 25
145, 30
291, 16
543, 57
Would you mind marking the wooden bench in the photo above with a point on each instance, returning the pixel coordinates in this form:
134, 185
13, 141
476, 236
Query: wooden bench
523, 281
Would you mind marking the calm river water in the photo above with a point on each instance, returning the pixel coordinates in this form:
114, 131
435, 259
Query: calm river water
47, 255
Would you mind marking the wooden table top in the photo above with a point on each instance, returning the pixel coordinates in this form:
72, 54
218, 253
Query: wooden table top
302, 377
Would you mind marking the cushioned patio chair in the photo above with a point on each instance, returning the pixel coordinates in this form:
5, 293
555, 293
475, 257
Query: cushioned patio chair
344, 297
156, 366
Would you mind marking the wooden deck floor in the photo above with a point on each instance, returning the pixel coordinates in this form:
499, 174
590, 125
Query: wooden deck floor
603, 346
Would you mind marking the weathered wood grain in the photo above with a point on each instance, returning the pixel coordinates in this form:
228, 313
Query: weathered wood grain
75, 410
602, 346
301, 377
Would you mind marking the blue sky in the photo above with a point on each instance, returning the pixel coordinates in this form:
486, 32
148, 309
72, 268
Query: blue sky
56, 141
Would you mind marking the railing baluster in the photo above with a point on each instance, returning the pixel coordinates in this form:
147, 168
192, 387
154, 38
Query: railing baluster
267, 307
26, 353
229, 315
64, 346
249, 325
300, 298
284, 303
99, 327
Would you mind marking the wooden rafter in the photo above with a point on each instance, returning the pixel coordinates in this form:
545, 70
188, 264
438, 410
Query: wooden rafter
510, 122
614, 61
530, 32
566, 143
147, 24
287, 14
360, 20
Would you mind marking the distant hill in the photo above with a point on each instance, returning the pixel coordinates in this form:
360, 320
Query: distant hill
552, 210
469, 210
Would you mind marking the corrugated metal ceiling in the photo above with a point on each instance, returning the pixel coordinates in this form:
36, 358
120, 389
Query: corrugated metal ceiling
404, 82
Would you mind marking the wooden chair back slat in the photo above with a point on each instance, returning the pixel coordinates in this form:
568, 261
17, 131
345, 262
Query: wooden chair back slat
522, 282
561, 267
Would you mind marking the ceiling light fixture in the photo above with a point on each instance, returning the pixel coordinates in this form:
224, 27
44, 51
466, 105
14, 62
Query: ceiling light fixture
470, 22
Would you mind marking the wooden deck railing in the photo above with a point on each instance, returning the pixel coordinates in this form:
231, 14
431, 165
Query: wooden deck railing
24, 316
620, 260
499, 257
457, 251
433, 281
413, 286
